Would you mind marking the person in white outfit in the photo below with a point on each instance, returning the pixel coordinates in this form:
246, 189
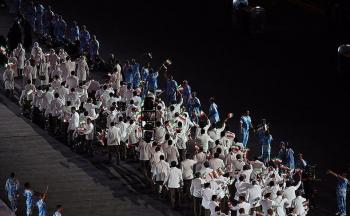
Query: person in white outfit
82, 69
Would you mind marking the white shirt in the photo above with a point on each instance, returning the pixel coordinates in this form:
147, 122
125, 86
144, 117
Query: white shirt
174, 178
207, 194
281, 204
145, 150
187, 168
171, 154
89, 131
204, 140
266, 204
289, 192
73, 121
298, 205
254, 194
246, 206
113, 136
196, 187
212, 206
216, 163
161, 171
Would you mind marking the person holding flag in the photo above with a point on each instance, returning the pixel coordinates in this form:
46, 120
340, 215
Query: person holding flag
41, 203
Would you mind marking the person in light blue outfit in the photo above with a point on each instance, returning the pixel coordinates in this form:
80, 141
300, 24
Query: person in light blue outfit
41, 205
290, 162
60, 28
39, 18
246, 124
171, 89
266, 147
341, 191
28, 195
237, 4
59, 211
152, 82
94, 47
47, 20
74, 32
145, 72
11, 187
135, 67
127, 70
186, 93
214, 116
31, 14
194, 107
84, 39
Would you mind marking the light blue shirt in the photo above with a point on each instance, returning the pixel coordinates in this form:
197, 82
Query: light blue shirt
342, 185
11, 187
246, 122
28, 194
214, 113
41, 207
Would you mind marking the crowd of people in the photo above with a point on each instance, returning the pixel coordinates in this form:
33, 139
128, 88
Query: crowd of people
185, 154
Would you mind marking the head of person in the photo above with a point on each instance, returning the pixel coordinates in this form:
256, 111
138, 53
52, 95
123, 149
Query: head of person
216, 155
271, 183
247, 112
241, 211
161, 157
270, 211
88, 120
73, 109
211, 100
197, 175
170, 142
246, 167
207, 185
173, 164
59, 208
217, 210
27, 185
241, 178
214, 198
56, 95
202, 131
241, 199
206, 164
267, 196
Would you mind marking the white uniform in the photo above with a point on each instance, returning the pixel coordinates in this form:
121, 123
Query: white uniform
9, 79
82, 70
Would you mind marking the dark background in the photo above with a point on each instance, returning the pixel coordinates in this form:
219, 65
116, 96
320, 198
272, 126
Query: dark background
287, 75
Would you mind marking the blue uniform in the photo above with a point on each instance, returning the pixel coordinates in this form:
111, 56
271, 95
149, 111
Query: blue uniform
266, 148
94, 48
290, 158
128, 74
136, 75
84, 40
246, 125
41, 207
186, 94
31, 14
341, 195
144, 74
28, 194
152, 81
11, 188
60, 29
74, 33
39, 18
213, 113
194, 105
171, 89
